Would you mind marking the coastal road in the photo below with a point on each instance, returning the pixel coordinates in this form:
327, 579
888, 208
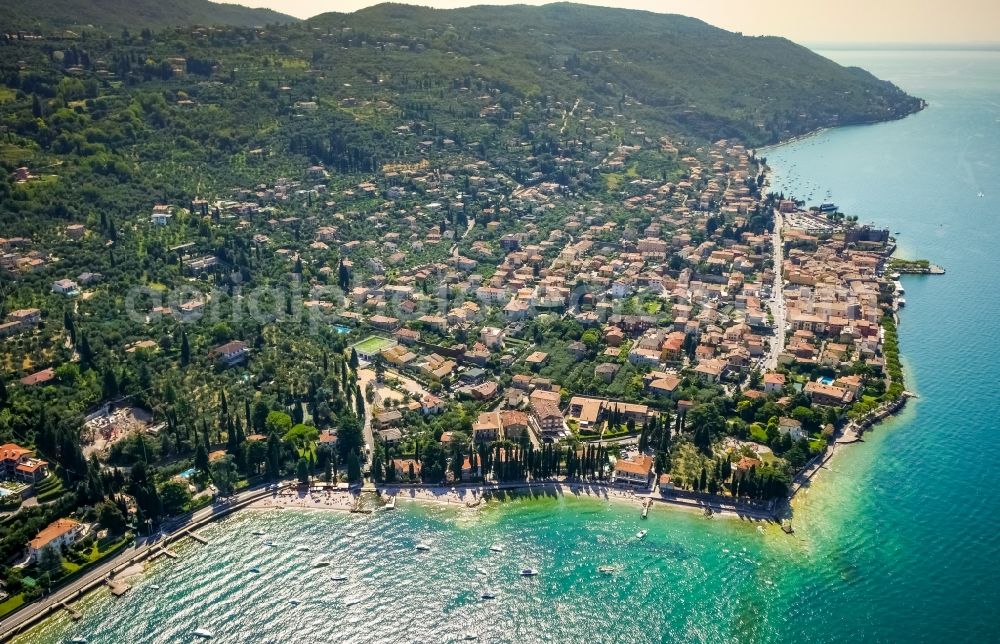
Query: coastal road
777, 296
11, 626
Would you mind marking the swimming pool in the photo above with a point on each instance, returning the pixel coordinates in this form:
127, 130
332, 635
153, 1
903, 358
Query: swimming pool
188, 473
341, 329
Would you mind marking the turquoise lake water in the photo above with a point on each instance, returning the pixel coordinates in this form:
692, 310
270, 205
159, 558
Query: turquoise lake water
898, 541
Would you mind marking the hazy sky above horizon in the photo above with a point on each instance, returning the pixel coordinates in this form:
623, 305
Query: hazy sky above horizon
806, 21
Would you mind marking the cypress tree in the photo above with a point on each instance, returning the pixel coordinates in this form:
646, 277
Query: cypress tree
185, 350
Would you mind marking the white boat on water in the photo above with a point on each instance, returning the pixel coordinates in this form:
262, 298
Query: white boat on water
155, 586
528, 572
496, 547
423, 546
488, 594
901, 302
303, 548
78, 640
339, 578
321, 563
203, 633
294, 602
641, 534
259, 533
607, 570
271, 544
351, 601
255, 570
980, 195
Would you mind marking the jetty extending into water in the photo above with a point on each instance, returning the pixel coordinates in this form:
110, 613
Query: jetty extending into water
118, 587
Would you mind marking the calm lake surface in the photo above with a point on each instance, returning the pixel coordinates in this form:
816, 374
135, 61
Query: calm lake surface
898, 541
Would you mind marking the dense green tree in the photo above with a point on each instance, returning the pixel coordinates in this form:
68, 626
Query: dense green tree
273, 461
185, 350
224, 475
201, 458
353, 468
175, 497
111, 518
50, 560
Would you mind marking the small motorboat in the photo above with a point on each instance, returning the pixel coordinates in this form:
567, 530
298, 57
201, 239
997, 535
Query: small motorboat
352, 601
980, 195
303, 548
496, 547
607, 570
339, 578
155, 586
78, 640
488, 594
528, 572
271, 544
203, 633
423, 546
259, 533
641, 534
294, 602
321, 563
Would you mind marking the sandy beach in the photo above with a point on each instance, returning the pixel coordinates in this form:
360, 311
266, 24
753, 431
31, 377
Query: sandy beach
473, 496
292, 498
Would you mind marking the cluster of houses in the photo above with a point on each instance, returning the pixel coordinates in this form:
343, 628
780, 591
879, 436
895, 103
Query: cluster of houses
16, 258
20, 464
587, 270
835, 297
718, 329
20, 320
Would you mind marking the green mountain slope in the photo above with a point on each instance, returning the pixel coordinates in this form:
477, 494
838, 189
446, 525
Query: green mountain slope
690, 75
115, 15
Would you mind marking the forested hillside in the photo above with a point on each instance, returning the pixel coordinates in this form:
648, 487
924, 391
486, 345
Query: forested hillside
691, 76
114, 15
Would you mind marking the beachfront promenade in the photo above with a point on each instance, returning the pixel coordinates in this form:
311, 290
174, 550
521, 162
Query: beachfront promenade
471, 495
144, 548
